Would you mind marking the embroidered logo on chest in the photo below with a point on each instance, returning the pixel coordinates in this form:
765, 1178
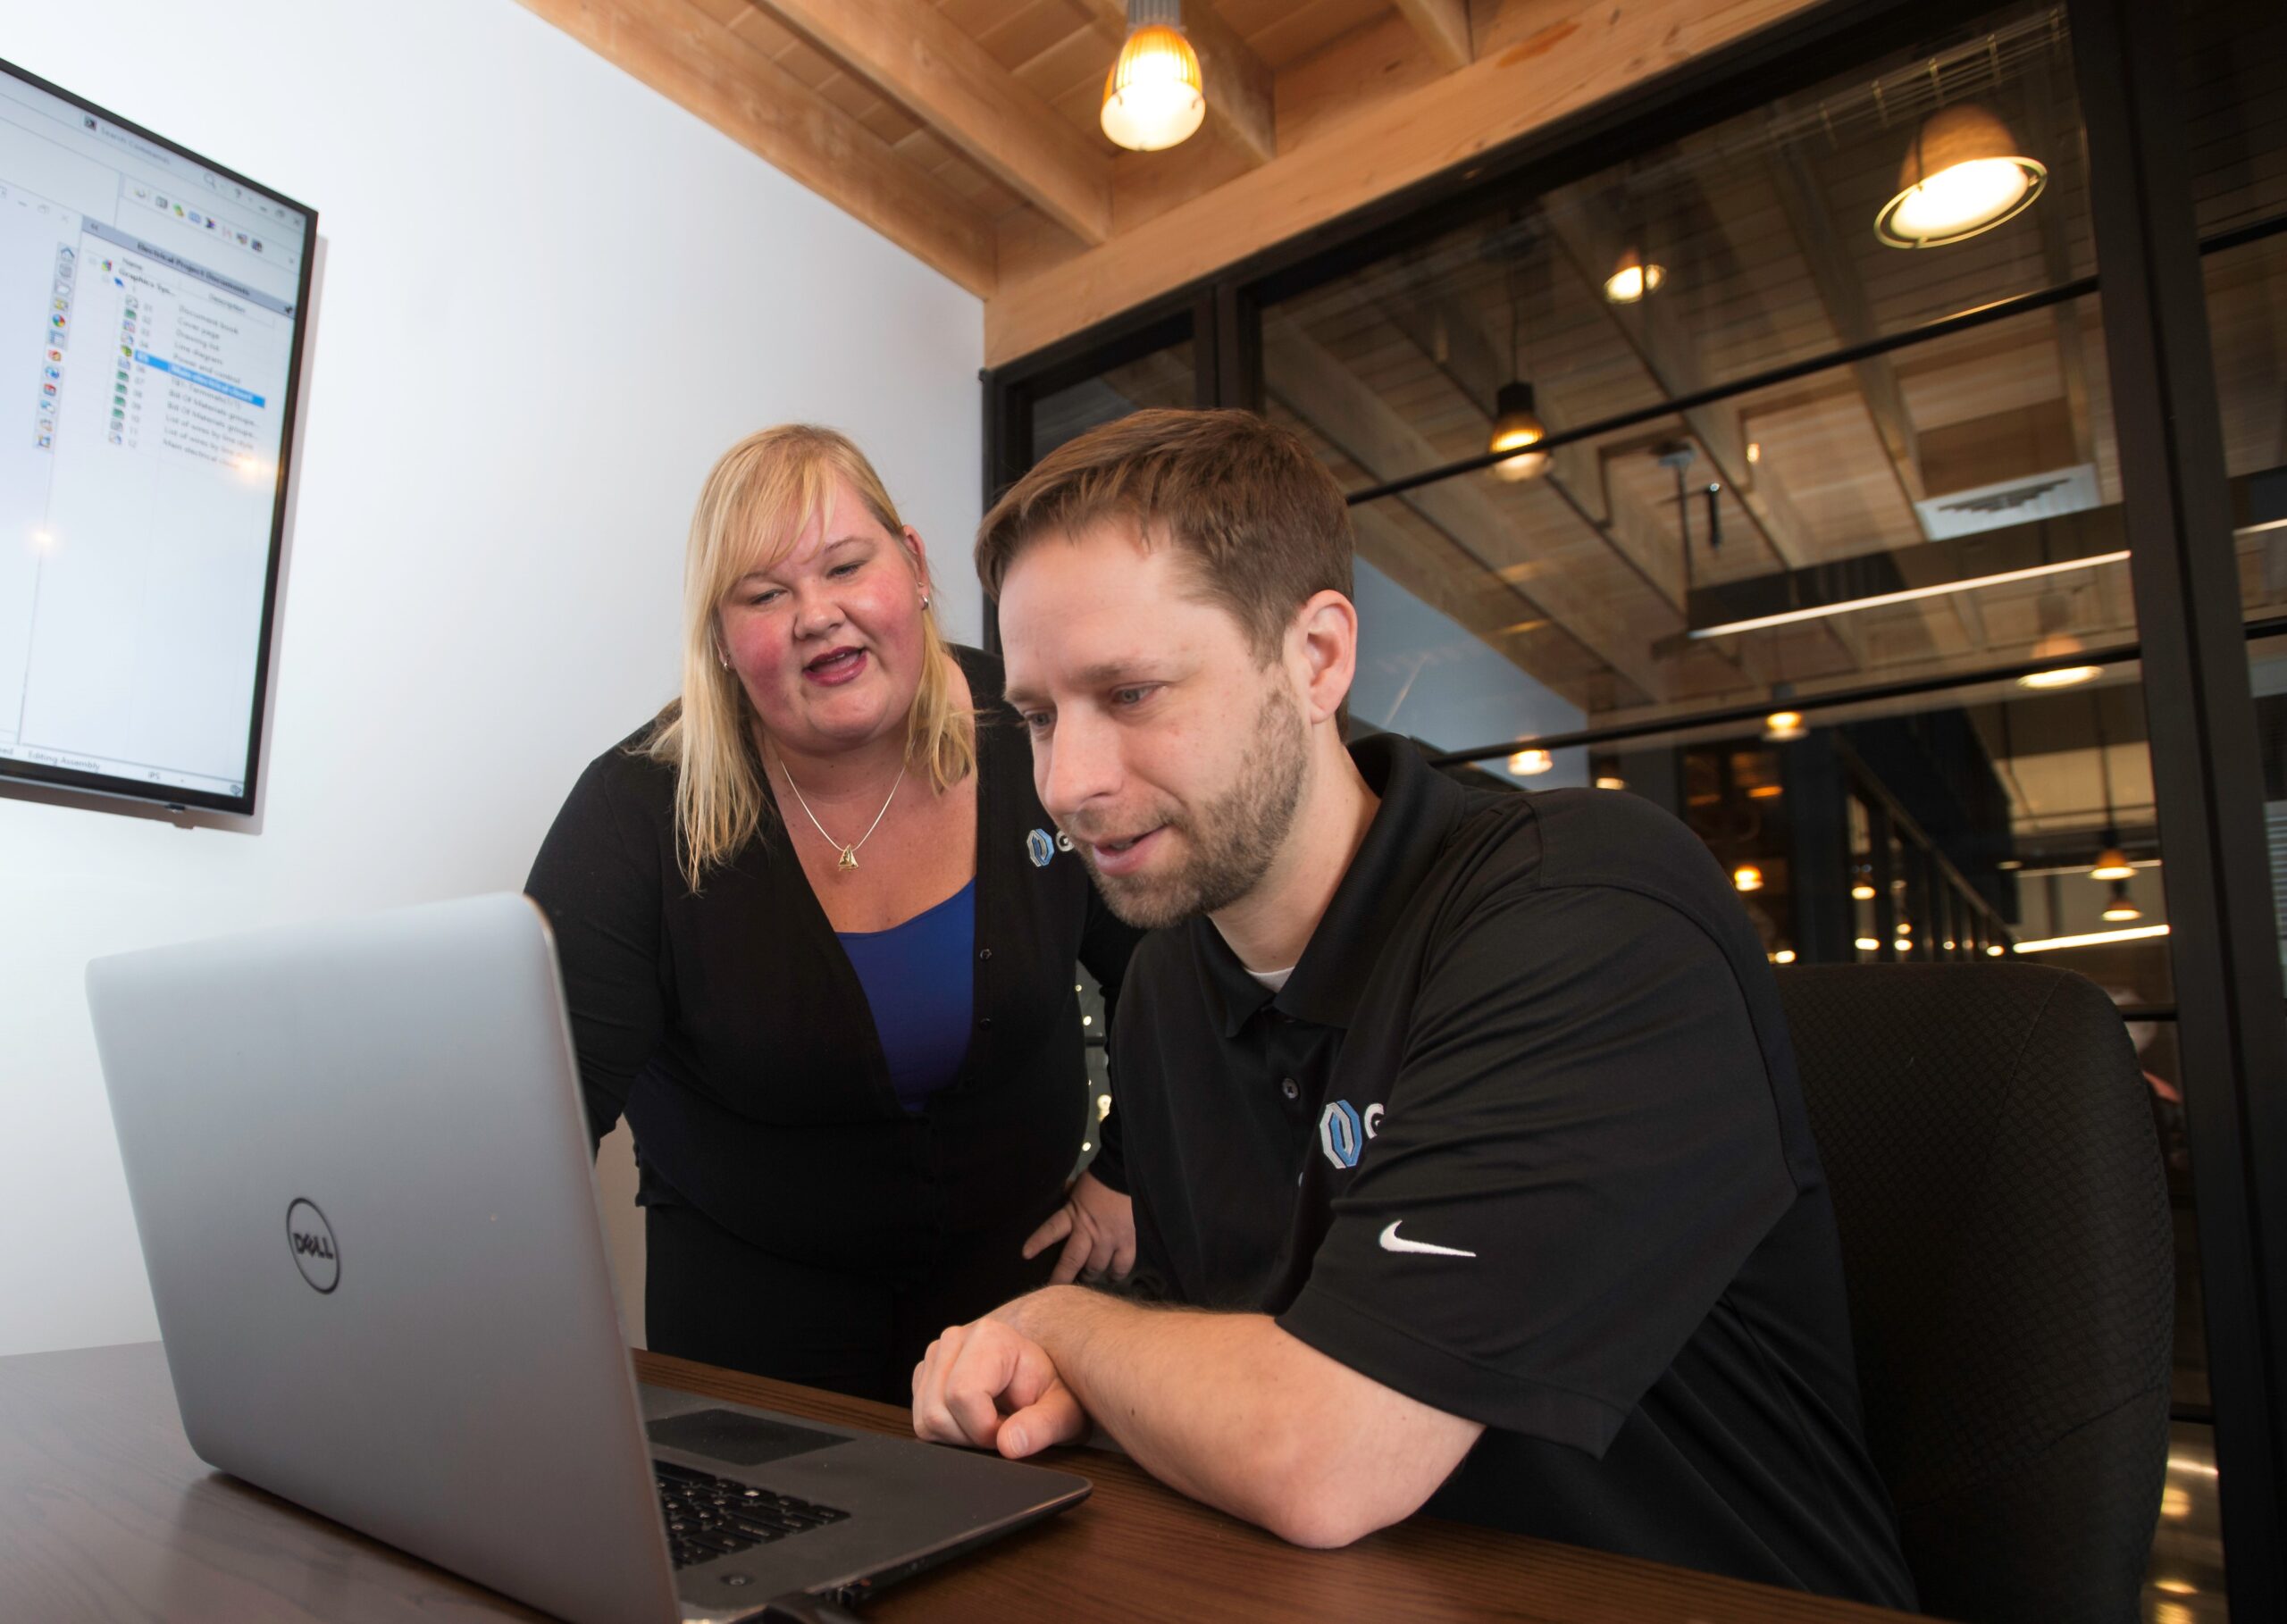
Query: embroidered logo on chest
1343, 1131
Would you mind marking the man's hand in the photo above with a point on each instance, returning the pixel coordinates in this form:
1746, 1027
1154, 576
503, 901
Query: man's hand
988, 1386
1097, 1226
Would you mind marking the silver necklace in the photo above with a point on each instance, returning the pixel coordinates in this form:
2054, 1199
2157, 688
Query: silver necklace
849, 858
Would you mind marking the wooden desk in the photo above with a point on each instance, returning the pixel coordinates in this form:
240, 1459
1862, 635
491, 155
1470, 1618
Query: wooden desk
105, 1514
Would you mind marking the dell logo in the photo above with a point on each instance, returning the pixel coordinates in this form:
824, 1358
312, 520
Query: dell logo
312, 1240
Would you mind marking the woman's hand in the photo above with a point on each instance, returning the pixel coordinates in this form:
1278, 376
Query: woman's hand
1097, 1226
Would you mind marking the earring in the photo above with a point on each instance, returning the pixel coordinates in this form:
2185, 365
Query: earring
925, 600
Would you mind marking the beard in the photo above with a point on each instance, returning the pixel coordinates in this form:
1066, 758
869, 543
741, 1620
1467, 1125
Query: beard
1228, 845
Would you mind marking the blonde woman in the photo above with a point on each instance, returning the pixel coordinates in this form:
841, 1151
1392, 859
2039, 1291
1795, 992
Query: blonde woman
817, 937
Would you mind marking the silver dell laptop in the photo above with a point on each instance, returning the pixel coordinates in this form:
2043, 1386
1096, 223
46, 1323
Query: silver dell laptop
361, 1176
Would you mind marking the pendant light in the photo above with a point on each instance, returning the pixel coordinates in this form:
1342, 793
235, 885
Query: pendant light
1636, 273
2058, 645
1962, 174
1155, 97
2121, 910
1516, 425
2112, 862
1633, 276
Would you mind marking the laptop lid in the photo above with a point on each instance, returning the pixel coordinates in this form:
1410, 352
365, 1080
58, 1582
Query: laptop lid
359, 1171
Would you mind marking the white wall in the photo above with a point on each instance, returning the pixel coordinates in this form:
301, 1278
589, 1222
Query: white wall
550, 298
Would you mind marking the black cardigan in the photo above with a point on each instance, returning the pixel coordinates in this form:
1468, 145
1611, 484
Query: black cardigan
731, 1029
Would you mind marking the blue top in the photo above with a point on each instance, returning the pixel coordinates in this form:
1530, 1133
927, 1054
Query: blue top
922, 987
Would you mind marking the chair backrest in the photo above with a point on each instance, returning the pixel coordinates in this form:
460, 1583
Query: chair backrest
2003, 1213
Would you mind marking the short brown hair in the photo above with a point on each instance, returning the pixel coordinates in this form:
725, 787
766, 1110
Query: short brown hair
1258, 514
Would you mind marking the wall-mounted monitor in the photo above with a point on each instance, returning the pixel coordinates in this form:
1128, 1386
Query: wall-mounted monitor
152, 313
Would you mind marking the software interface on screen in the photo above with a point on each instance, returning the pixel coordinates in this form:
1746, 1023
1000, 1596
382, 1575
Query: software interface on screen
147, 308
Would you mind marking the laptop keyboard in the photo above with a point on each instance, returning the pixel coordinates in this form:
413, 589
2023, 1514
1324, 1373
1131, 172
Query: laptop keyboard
710, 1517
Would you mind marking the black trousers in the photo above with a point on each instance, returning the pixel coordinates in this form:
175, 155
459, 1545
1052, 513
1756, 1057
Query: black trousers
710, 1295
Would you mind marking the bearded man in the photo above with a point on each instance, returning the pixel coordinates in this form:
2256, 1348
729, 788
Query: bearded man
1466, 1151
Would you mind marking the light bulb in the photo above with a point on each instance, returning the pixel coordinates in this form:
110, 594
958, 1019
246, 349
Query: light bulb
2060, 676
1633, 277
1529, 762
1155, 95
1961, 175
1516, 425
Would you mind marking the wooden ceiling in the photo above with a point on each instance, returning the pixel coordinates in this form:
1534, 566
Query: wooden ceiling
965, 130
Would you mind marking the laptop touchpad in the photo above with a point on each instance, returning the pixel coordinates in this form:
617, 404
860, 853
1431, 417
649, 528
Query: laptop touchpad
742, 1440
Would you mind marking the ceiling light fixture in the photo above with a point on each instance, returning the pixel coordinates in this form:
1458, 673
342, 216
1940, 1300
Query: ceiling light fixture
2112, 862
2121, 908
1515, 427
1962, 174
1516, 423
1155, 97
2060, 676
2134, 933
2056, 644
1633, 276
1907, 595
1612, 784
1867, 944
1528, 762
1783, 956
1747, 876
1783, 724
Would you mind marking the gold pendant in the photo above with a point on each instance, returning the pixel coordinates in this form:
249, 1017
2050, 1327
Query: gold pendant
849, 858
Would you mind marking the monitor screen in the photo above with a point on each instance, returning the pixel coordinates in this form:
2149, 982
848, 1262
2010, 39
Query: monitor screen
151, 318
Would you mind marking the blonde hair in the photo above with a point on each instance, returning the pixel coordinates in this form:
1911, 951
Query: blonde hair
762, 494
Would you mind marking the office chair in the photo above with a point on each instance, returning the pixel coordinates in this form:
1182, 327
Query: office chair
2006, 1240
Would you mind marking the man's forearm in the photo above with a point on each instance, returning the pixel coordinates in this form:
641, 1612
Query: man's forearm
1218, 1406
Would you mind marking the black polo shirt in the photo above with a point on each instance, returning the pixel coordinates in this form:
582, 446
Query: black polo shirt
1521, 1138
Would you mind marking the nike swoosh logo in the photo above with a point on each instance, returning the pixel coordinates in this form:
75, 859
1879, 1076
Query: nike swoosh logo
1391, 1243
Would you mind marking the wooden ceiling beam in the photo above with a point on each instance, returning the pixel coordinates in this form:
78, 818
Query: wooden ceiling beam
683, 53
1844, 298
913, 53
1843, 295
1588, 51
1443, 27
1318, 388
1589, 238
1452, 341
1241, 99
